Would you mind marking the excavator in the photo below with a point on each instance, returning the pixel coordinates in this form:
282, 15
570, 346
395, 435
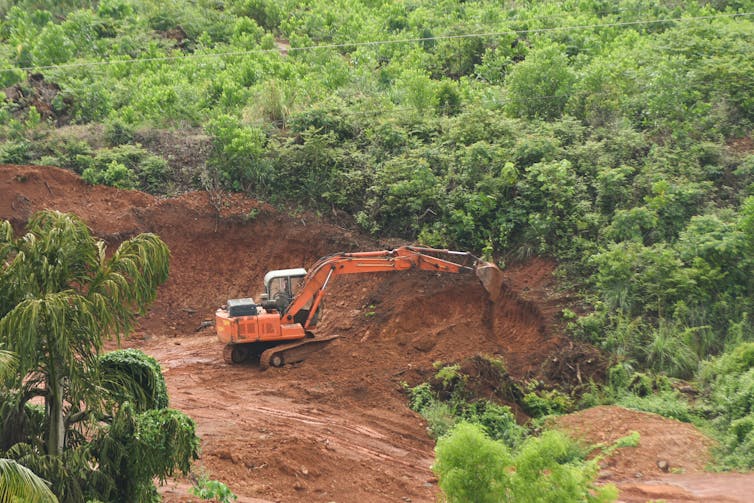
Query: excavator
278, 329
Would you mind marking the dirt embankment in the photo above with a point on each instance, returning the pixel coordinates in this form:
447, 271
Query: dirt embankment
336, 427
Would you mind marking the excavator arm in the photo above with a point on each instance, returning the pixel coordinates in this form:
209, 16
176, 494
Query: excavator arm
398, 259
281, 335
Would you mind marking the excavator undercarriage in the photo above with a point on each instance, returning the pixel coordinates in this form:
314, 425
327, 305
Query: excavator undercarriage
272, 354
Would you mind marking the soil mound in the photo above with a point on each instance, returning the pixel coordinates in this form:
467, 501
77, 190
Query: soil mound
665, 445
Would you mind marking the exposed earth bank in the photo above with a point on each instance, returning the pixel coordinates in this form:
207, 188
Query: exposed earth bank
336, 427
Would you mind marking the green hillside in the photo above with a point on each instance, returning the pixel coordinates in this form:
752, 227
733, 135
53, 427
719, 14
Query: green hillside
613, 136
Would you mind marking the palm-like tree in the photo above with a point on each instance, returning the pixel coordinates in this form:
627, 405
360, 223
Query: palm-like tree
60, 296
18, 483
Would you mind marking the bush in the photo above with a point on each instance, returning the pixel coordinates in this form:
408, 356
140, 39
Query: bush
728, 387
440, 418
665, 403
118, 132
16, 152
213, 490
497, 421
445, 400
540, 86
114, 174
540, 403
472, 467
128, 167
237, 155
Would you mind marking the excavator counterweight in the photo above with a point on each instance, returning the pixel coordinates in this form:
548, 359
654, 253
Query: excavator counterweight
279, 329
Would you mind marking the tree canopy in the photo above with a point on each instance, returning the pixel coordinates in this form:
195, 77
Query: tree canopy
62, 295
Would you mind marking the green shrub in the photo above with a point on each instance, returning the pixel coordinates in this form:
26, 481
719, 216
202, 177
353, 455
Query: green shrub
449, 377
440, 418
728, 386
118, 132
540, 86
471, 467
238, 155
128, 167
212, 490
420, 396
665, 403
72, 154
16, 152
114, 174
444, 401
551, 468
497, 421
540, 403
737, 449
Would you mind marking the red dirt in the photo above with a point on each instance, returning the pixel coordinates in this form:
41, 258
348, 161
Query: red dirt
335, 427
661, 439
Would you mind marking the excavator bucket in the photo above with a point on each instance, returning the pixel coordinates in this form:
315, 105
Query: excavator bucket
491, 277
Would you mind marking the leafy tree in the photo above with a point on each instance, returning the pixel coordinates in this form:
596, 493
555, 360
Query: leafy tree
60, 296
539, 86
104, 428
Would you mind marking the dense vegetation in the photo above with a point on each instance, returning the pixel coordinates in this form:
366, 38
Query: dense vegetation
613, 136
484, 455
104, 431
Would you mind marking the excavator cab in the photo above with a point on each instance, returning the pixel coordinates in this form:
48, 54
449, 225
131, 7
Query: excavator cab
281, 287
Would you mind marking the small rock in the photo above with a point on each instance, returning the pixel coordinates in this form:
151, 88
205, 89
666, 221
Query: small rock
406, 499
298, 486
638, 475
304, 470
663, 465
203, 325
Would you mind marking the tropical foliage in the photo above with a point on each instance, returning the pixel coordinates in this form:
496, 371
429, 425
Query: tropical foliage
549, 468
104, 431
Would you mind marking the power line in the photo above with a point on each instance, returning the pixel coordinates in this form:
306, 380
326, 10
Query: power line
377, 42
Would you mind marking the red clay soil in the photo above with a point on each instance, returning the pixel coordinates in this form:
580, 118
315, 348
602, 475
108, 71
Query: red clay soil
335, 427
668, 464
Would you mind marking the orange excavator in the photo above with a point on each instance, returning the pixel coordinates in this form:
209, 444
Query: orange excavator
278, 330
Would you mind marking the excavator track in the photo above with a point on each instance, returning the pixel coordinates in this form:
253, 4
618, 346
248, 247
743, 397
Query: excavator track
292, 353
235, 353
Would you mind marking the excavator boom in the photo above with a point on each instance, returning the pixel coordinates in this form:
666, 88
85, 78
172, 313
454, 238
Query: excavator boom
398, 259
